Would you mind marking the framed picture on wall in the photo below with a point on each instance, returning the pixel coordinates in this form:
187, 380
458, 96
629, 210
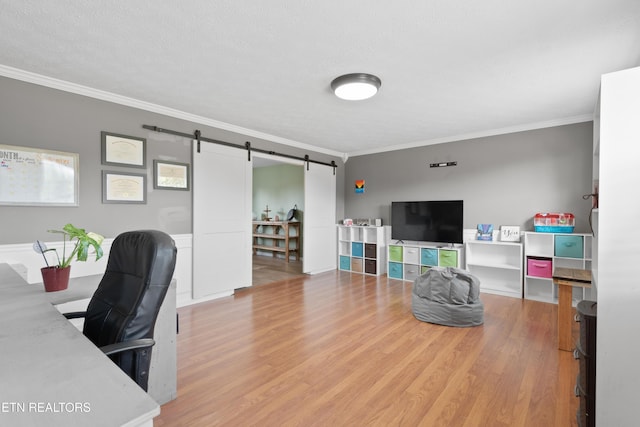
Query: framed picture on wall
123, 150
124, 187
170, 175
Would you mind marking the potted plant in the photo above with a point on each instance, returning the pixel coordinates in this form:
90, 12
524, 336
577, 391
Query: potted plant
56, 277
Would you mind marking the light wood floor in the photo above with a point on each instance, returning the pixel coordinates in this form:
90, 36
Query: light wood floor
268, 269
343, 349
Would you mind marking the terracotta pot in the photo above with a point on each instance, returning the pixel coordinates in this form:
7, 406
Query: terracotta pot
55, 278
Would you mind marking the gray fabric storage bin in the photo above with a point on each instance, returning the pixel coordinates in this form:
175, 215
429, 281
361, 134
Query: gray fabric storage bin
447, 296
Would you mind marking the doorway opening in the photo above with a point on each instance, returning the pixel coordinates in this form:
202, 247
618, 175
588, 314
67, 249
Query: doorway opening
277, 214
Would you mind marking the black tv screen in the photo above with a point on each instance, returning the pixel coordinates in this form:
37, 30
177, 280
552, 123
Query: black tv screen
428, 221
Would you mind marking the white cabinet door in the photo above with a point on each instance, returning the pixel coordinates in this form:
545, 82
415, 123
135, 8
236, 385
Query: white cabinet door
222, 186
319, 224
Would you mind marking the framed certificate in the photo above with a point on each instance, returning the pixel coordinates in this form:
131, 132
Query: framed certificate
170, 175
124, 187
123, 150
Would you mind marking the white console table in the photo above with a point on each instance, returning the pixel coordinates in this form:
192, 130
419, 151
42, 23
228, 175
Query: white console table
52, 374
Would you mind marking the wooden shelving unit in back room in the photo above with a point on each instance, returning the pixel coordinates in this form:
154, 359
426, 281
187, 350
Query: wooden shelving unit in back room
277, 237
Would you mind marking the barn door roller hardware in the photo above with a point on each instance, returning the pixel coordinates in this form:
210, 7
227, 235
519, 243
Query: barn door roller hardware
247, 146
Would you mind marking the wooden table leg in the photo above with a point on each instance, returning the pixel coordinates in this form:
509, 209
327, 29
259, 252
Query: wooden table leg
564, 317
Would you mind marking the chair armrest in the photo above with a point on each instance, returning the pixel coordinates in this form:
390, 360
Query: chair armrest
75, 314
127, 345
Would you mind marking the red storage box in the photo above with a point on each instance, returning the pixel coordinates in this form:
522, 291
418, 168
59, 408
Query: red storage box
554, 222
539, 267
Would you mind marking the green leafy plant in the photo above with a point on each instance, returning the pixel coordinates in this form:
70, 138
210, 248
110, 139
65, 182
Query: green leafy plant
80, 252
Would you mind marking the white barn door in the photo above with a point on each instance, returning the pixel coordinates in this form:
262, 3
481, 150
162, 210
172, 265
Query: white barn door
319, 247
222, 187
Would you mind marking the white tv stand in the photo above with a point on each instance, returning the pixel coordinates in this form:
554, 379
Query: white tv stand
408, 260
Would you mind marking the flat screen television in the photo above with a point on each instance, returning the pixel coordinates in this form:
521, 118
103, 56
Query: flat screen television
429, 221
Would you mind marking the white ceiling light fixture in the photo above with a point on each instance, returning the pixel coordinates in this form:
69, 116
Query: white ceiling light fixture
356, 86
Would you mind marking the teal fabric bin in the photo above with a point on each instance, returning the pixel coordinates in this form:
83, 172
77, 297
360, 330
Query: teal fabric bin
569, 246
345, 262
429, 257
395, 270
357, 249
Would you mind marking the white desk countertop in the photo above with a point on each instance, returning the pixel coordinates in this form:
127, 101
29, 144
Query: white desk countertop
51, 374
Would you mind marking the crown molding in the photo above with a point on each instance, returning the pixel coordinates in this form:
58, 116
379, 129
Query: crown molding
481, 134
50, 82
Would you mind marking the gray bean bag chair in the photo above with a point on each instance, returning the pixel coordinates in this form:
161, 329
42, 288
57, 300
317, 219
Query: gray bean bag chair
447, 296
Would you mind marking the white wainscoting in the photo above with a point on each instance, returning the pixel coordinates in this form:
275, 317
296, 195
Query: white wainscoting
182, 273
28, 263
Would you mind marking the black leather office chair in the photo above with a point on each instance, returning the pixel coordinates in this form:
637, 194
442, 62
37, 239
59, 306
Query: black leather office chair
121, 315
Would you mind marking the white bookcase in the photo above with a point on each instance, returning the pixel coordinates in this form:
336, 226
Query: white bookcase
570, 250
362, 249
498, 266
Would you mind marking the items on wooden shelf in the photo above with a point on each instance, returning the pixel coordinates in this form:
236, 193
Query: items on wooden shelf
266, 216
267, 237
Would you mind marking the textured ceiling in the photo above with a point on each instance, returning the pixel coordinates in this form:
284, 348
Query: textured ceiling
449, 69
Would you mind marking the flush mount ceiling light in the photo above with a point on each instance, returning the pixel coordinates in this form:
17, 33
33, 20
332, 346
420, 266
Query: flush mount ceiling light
356, 86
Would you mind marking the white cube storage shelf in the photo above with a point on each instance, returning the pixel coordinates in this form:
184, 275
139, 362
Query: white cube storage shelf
410, 260
498, 266
544, 252
362, 249
519, 270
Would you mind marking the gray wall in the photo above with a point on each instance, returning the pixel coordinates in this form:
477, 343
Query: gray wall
36, 116
503, 180
280, 187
